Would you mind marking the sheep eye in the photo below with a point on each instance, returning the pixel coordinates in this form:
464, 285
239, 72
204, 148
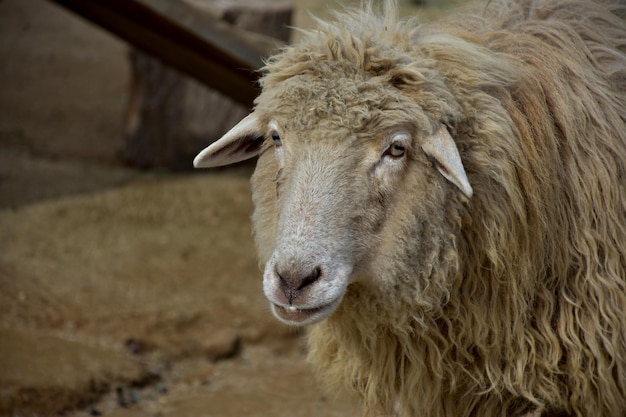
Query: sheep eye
395, 150
276, 138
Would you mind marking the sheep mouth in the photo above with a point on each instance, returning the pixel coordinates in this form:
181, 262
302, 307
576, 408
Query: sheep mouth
301, 316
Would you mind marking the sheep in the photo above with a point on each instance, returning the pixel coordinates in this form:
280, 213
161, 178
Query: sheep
444, 205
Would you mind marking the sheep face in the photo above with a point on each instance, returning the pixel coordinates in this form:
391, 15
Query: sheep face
330, 198
331, 189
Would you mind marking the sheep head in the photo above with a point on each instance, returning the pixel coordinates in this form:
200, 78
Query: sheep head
329, 192
354, 159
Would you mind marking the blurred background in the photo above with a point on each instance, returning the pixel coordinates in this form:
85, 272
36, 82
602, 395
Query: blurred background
129, 285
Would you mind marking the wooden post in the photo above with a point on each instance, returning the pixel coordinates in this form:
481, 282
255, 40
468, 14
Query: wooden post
170, 117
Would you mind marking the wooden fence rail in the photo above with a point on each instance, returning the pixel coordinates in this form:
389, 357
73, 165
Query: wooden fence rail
216, 54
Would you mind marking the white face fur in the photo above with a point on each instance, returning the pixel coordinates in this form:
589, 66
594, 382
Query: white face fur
327, 200
318, 249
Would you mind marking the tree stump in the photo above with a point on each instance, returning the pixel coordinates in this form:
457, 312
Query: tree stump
170, 117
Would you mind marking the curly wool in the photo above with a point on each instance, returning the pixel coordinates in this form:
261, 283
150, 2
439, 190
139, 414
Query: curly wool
520, 305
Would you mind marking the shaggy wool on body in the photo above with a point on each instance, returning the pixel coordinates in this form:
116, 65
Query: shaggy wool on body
490, 285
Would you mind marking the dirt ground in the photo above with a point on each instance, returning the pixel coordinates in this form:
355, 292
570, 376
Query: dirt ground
125, 293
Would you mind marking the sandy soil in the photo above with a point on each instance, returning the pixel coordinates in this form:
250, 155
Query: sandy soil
124, 292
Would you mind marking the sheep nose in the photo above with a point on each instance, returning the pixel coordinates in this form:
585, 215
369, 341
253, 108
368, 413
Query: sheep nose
294, 282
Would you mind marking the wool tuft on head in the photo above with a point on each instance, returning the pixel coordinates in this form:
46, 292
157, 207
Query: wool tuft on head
445, 206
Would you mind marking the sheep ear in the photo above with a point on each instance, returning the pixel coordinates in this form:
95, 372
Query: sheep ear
442, 148
240, 143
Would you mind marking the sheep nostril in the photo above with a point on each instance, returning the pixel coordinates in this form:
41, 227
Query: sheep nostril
310, 279
292, 283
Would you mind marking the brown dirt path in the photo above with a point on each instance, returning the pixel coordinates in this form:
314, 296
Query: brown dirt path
124, 293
